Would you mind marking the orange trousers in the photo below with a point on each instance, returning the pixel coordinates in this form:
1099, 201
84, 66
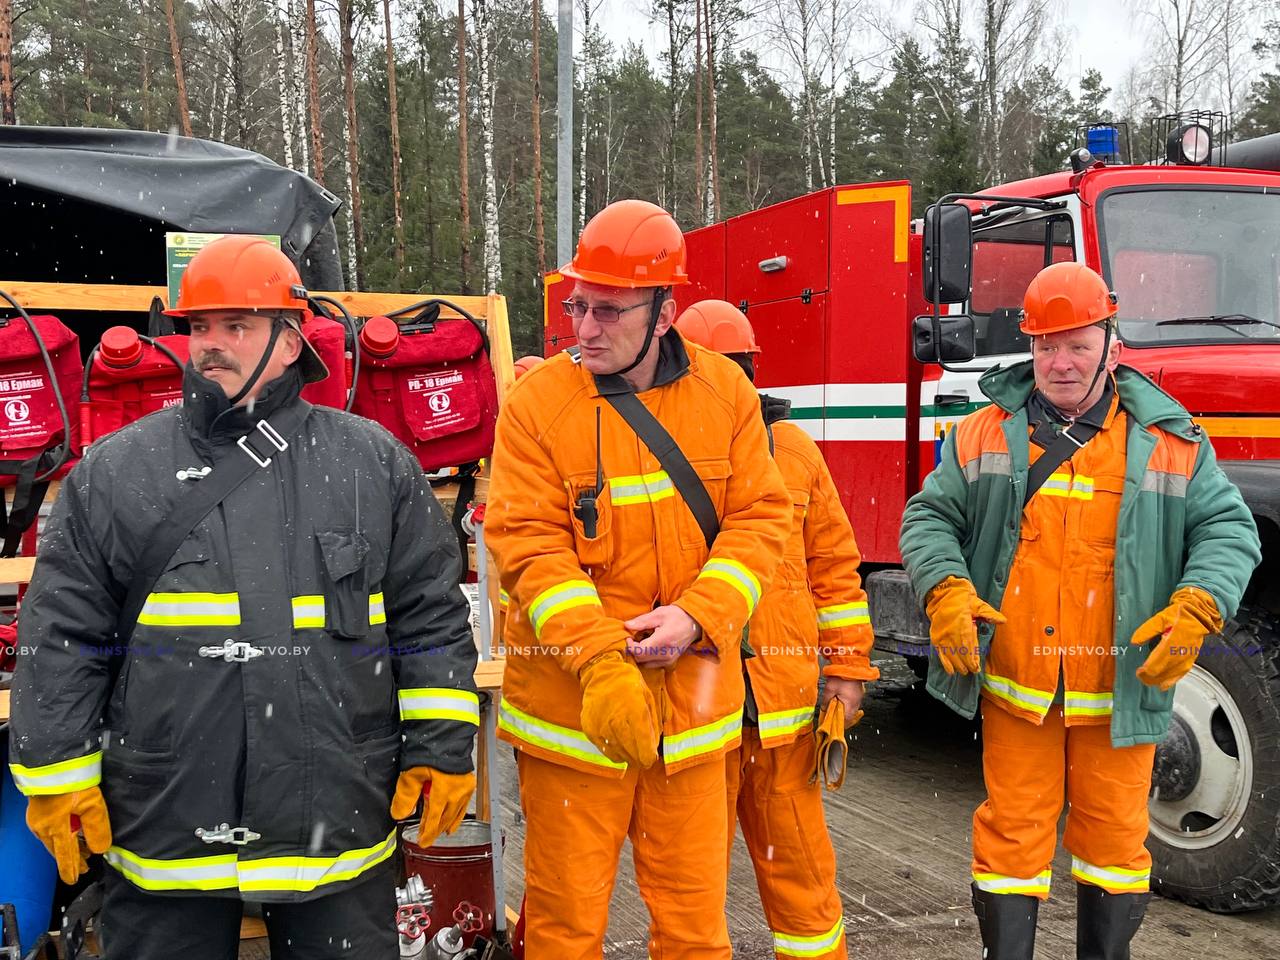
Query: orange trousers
1027, 768
576, 823
786, 832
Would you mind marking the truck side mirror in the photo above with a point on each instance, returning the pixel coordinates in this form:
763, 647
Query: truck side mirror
948, 229
956, 344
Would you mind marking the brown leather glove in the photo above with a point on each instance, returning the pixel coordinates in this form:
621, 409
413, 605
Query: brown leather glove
445, 798
954, 608
619, 712
1182, 626
49, 817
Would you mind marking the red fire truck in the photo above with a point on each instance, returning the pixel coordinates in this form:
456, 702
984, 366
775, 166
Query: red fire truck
832, 282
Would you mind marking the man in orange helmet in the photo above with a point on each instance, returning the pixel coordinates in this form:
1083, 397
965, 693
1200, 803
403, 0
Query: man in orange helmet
635, 519
816, 608
249, 651
1075, 545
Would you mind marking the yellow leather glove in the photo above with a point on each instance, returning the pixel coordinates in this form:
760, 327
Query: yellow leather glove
619, 712
954, 608
833, 749
445, 798
1182, 626
49, 817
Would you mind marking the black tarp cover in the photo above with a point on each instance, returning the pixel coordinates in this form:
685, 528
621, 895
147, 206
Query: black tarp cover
85, 205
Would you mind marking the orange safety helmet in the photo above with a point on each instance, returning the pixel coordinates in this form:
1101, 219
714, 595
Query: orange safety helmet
244, 272
525, 364
630, 243
1065, 296
718, 325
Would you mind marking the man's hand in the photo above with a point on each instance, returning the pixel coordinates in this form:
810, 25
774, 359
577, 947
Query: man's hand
849, 693
1192, 614
49, 818
661, 636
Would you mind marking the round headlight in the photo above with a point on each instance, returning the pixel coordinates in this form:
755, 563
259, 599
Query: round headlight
1195, 144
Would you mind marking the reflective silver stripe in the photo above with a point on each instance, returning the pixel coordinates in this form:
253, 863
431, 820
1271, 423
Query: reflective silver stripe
308, 611
646, 488
990, 464
377, 610
1078, 704
439, 703
1165, 484
561, 597
708, 738
191, 610
794, 945
1037, 701
737, 576
782, 722
65, 776
999, 883
191, 873
307, 873
843, 615
551, 736
1115, 878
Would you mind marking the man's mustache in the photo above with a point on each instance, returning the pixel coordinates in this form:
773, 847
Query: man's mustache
215, 358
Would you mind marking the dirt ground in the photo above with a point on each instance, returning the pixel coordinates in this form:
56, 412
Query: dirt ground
902, 831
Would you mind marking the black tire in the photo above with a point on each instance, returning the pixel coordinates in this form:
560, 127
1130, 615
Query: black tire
1231, 863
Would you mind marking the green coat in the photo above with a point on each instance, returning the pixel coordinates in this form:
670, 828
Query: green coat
1206, 539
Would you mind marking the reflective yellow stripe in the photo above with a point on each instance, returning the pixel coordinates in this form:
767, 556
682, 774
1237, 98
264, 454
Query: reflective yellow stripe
65, 776
504, 598
700, 740
843, 615
1064, 485
561, 597
439, 703
191, 610
227, 872
737, 576
1028, 698
645, 488
377, 610
551, 736
1078, 704
793, 945
308, 611
780, 723
1113, 878
1000, 883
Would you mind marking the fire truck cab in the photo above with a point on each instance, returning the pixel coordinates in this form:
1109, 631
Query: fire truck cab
835, 286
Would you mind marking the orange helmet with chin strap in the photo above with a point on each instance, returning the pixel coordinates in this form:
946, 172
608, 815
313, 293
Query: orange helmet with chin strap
1065, 296
630, 243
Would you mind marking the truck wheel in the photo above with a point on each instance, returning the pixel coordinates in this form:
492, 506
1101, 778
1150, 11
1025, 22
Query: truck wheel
1215, 804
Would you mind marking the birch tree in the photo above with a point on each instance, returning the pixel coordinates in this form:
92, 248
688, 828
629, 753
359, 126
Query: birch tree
313, 94
713, 159
794, 28
1009, 31
464, 174
1185, 42
488, 88
284, 82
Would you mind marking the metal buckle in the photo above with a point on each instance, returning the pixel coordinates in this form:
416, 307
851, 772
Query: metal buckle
243, 444
233, 651
1067, 433
224, 833
273, 436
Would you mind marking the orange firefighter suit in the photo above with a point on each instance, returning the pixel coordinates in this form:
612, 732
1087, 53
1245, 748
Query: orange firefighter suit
815, 605
571, 589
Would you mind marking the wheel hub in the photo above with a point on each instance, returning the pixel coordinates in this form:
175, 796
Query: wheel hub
1177, 768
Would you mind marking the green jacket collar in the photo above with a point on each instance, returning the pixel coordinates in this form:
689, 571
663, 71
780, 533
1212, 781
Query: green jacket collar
1010, 387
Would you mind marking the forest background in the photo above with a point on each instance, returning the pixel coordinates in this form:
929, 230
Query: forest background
739, 104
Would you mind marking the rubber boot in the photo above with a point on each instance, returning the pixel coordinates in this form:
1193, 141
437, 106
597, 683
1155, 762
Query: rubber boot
1106, 922
1007, 922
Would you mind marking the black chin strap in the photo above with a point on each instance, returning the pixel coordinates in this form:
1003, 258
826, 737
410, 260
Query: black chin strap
1102, 368
655, 310
277, 325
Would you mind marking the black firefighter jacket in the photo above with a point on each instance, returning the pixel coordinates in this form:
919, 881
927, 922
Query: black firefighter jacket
306, 643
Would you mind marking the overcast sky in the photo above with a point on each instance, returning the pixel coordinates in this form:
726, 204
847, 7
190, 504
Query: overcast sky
1104, 35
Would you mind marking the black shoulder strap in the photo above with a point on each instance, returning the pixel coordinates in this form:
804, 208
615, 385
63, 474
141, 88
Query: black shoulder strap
663, 446
269, 439
1057, 453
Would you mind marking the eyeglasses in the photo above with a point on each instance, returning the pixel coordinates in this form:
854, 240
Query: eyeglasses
577, 309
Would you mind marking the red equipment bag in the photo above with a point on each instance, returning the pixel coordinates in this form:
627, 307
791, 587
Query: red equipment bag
429, 382
128, 377
329, 338
39, 433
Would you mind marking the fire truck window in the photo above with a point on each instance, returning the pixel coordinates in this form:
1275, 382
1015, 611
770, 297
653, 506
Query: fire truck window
1187, 254
1005, 258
